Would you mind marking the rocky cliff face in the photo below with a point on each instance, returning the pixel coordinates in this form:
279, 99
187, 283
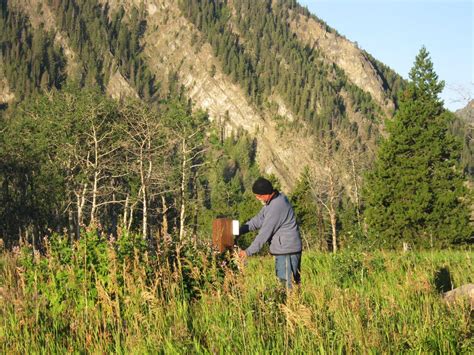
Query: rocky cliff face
345, 54
467, 113
173, 45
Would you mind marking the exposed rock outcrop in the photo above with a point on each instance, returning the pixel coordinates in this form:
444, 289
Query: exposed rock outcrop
119, 88
173, 44
345, 54
467, 113
465, 292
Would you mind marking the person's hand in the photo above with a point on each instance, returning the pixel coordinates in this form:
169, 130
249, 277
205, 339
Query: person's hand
241, 259
244, 228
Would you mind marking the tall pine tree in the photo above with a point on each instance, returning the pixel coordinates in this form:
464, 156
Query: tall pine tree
416, 192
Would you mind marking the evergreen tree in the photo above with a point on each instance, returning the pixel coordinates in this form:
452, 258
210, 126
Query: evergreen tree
416, 192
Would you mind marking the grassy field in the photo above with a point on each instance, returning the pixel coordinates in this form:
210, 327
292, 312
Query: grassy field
99, 296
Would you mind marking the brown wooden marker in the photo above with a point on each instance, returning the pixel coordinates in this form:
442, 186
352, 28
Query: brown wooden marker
222, 236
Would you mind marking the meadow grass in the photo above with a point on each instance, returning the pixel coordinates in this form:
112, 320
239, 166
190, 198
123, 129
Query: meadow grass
96, 298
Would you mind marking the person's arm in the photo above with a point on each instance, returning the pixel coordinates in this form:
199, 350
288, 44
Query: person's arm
270, 224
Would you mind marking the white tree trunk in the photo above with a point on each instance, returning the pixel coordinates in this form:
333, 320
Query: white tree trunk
145, 191
94, 197
182, 191
145, 213
125, 211
144, 194
95, 166
164, 221
332, 209
130, 220
70, 219
356, 190
81, 201
332, 216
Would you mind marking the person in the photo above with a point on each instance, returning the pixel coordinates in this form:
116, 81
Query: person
277, 225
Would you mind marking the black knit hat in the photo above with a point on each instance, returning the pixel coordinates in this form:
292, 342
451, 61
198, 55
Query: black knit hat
262, 187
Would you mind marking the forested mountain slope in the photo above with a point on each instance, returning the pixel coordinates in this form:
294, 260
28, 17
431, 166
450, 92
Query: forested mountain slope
268, 66
464, 127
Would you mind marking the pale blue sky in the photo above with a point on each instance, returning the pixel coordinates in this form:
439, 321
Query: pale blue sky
393, 31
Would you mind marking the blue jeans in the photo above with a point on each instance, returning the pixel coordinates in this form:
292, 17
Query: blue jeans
288, 266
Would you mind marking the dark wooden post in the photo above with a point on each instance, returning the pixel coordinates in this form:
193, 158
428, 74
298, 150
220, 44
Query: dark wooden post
222, 237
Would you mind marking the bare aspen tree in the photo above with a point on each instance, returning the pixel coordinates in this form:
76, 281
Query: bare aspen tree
191, 151
326, 181
81, 201
463, 94
148, 146
339, 164
100, 131
76, 191
93, 159
85, 154
164, 218
355, 161
76, 185
74, 157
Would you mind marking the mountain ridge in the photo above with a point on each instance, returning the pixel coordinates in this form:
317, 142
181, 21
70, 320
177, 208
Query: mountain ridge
346, 55
467, 112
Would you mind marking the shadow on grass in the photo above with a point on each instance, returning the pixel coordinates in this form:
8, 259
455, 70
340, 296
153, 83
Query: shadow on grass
442, 280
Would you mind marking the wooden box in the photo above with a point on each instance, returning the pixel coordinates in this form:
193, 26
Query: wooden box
222, 238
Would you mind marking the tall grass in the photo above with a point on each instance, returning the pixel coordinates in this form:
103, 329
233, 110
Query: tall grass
104, 296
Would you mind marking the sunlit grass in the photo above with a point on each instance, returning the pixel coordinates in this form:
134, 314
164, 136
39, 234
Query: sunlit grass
384, 302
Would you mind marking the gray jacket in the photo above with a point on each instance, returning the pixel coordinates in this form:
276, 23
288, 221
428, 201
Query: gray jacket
277, 224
